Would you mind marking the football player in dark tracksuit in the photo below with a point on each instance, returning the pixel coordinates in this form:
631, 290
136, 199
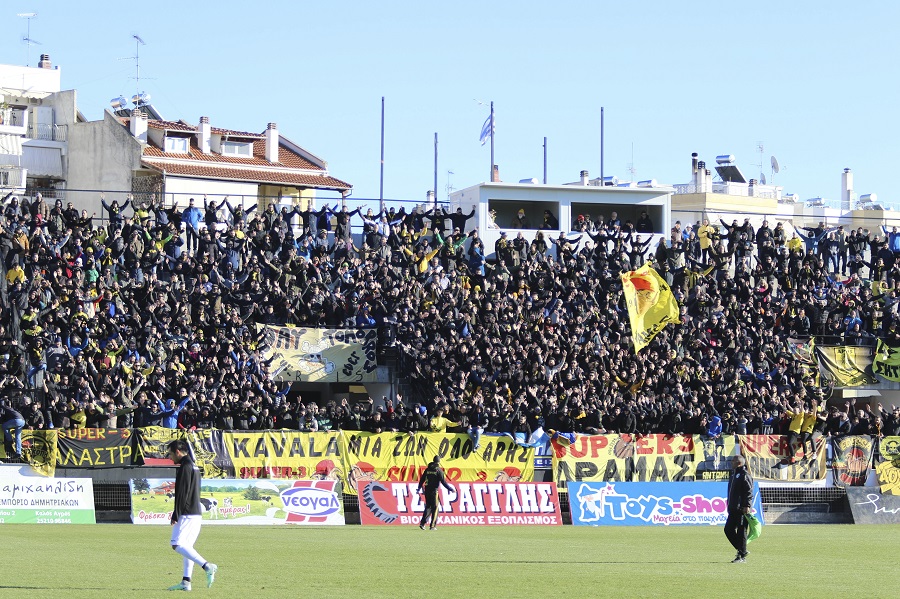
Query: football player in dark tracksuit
187, 515
429, 484
740, 497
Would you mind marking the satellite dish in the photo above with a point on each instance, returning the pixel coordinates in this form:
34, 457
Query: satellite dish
775, 167
762, 178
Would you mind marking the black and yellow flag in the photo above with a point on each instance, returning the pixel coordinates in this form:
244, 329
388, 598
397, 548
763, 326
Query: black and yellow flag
651, 304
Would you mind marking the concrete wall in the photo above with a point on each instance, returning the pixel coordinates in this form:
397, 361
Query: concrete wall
181, 189
102, 155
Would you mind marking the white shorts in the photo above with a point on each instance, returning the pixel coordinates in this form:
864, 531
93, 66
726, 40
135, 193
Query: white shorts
186, 531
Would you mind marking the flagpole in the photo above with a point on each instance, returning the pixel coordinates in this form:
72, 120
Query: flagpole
381, 180
492, 142
435, 168
545, 161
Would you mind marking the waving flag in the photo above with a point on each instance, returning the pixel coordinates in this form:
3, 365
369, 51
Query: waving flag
487, 130
651, 304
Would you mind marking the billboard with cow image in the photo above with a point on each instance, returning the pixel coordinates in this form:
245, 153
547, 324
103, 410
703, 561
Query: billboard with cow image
243, 501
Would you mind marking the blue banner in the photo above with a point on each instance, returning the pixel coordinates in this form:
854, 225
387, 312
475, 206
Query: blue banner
652, 504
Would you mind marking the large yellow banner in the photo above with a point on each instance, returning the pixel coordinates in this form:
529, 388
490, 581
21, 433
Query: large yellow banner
40, 450
400, 457
321, 355
846, 365
886, 362
651, 305
593, 458
617, 458
285, 454
888, 471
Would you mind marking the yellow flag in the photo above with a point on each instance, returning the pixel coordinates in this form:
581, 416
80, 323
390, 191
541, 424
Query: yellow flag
651, 305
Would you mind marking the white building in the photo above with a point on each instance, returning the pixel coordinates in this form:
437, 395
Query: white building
565, 202
174, 161
35, 118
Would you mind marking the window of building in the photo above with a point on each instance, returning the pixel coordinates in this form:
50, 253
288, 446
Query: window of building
237, 148
177, 145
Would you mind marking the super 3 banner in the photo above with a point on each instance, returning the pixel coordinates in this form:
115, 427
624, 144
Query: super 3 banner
678, 458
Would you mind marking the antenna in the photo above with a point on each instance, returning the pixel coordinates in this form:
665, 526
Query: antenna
139, 97
138, 42
760, 147
630, 168
449, 185
27, 39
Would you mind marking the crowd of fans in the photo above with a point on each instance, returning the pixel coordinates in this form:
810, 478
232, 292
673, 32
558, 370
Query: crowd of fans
153, 316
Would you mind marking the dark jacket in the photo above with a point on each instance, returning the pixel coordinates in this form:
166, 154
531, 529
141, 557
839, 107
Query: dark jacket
740, 490
432, 478
187, 489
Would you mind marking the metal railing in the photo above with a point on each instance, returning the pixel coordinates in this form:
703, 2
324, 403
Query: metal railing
734, 189
48, 132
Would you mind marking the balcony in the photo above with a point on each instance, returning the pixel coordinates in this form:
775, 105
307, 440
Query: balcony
12, 178
13, 120
47, 132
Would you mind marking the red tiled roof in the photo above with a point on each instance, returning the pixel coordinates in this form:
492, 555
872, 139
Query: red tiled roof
285, 156
171, 126
230, 133
257, 176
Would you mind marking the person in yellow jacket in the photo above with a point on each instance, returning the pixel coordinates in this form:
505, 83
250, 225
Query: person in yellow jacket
439, 423
796, 414
810, 418
705, 233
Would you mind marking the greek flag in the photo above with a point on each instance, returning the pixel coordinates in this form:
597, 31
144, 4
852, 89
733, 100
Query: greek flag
487, 130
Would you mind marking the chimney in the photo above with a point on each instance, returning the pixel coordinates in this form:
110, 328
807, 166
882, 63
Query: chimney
846, 189
694, 164
429, 197
585, 178
139, 125
204, 135
495, 174
272, 142
44, 63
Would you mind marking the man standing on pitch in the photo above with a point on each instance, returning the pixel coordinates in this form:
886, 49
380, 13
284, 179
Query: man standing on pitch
740, 497
186, 516
429, 484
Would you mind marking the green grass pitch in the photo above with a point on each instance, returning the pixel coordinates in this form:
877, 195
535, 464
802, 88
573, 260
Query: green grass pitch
116, 561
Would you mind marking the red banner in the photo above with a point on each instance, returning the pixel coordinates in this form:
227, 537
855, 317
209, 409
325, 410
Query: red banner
470, 503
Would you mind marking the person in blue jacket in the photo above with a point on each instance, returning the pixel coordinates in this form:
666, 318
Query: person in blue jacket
191, 217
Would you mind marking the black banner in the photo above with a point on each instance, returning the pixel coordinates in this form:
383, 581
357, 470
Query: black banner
208, 446
95, 448
851, 460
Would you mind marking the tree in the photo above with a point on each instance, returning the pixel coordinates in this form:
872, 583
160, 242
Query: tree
141, 485
251, 493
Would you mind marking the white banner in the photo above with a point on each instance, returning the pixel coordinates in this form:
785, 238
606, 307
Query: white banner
40, 500
243, 501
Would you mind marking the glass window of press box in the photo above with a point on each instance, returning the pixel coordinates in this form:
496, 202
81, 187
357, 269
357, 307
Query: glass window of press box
520, 214
645, 219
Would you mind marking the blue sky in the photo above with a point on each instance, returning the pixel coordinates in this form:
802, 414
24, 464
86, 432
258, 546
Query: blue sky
816, 82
